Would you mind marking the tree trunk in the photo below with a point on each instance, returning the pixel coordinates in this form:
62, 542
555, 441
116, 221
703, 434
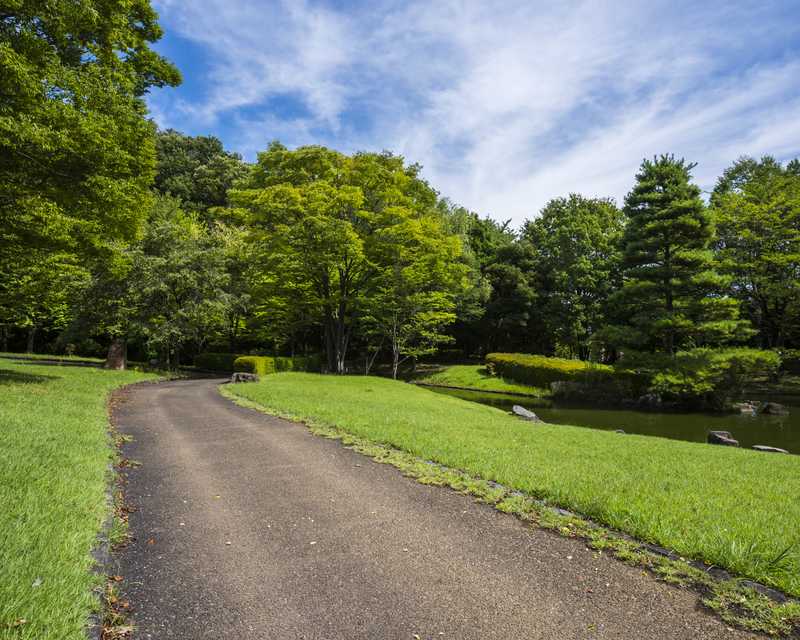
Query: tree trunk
4, 332
31, 339
117, 357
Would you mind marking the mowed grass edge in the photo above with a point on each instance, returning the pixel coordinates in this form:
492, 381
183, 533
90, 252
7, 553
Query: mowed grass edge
55, 452
732, 508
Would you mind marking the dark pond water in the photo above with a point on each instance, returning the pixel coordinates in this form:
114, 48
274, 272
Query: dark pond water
774, 431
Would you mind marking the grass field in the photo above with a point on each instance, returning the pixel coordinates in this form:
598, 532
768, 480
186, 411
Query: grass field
54, 457
475, 376
734, 508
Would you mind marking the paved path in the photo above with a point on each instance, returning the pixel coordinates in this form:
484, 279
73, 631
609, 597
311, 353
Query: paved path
249, 527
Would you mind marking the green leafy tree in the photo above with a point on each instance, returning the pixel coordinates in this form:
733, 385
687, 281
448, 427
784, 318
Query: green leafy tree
672, 298
418, 276
197, 170
577, 264
37, 290
314, 213
757, 210
76, 152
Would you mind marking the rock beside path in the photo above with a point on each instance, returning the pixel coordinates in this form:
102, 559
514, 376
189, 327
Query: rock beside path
240, 376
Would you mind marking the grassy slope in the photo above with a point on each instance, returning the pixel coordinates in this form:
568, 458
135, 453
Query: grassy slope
54, 456
735, 508
475, 376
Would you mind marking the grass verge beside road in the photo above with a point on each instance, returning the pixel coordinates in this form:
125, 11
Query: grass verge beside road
732, 508
55, 452
475, 376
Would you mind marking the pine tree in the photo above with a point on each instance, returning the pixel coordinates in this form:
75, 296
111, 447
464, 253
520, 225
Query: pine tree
671, 299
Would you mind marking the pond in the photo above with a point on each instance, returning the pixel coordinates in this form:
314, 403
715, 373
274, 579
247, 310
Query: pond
774, 431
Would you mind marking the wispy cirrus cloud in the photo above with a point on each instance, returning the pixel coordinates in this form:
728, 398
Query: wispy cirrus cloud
505, 104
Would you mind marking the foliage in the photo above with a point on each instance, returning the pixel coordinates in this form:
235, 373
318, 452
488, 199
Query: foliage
577, 267
671, 298
417, 277
37, 289
76, 152
756, 205
197, 170
540, 371
54, 459
264, 365
728, 507
708, 378
216, 361
321, 219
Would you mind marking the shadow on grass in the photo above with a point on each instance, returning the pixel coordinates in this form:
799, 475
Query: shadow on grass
9, 377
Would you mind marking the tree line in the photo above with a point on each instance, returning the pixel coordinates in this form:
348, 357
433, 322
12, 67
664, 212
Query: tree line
117, 235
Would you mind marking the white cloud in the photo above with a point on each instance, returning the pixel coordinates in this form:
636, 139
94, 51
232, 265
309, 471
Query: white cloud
506, 104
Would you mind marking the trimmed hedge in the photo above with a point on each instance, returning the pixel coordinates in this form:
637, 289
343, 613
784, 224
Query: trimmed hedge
216, 361
540, 371
264, 365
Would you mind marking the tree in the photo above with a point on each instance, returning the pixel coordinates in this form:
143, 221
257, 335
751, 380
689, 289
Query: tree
575, 242
76, 152
197, 170
756, 205
418, 276
166, 291
314, 213
671, 298
37, 290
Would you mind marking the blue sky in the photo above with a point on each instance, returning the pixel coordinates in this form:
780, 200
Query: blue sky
506, 104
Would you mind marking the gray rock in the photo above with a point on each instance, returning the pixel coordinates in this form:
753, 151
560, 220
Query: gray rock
721, 437
765, 448
523, 413
240, 376
772, 409
619, 431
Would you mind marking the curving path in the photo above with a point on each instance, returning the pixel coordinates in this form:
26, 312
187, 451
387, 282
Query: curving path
250, 527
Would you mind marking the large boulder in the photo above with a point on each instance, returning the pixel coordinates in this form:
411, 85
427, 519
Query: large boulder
766, 449
748, 408
523, 413
241, 376
721, 437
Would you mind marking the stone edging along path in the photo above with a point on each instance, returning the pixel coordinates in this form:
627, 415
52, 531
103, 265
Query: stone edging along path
739, 602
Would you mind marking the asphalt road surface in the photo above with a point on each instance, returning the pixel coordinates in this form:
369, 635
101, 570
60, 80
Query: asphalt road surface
250, 527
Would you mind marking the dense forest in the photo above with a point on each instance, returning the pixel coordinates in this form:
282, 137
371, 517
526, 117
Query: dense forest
118, 237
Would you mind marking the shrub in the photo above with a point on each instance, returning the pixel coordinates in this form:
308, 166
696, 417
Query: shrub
541, 371
216, 361
790, 361
710, 378
264, 365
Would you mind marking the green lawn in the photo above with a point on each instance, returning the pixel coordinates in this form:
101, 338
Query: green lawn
475, 376
734, 508
54, 457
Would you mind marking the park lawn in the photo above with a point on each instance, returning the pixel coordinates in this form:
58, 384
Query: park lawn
734, 508
55, 452
475, 376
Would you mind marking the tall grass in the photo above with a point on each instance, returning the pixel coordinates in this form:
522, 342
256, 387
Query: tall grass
733, 508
